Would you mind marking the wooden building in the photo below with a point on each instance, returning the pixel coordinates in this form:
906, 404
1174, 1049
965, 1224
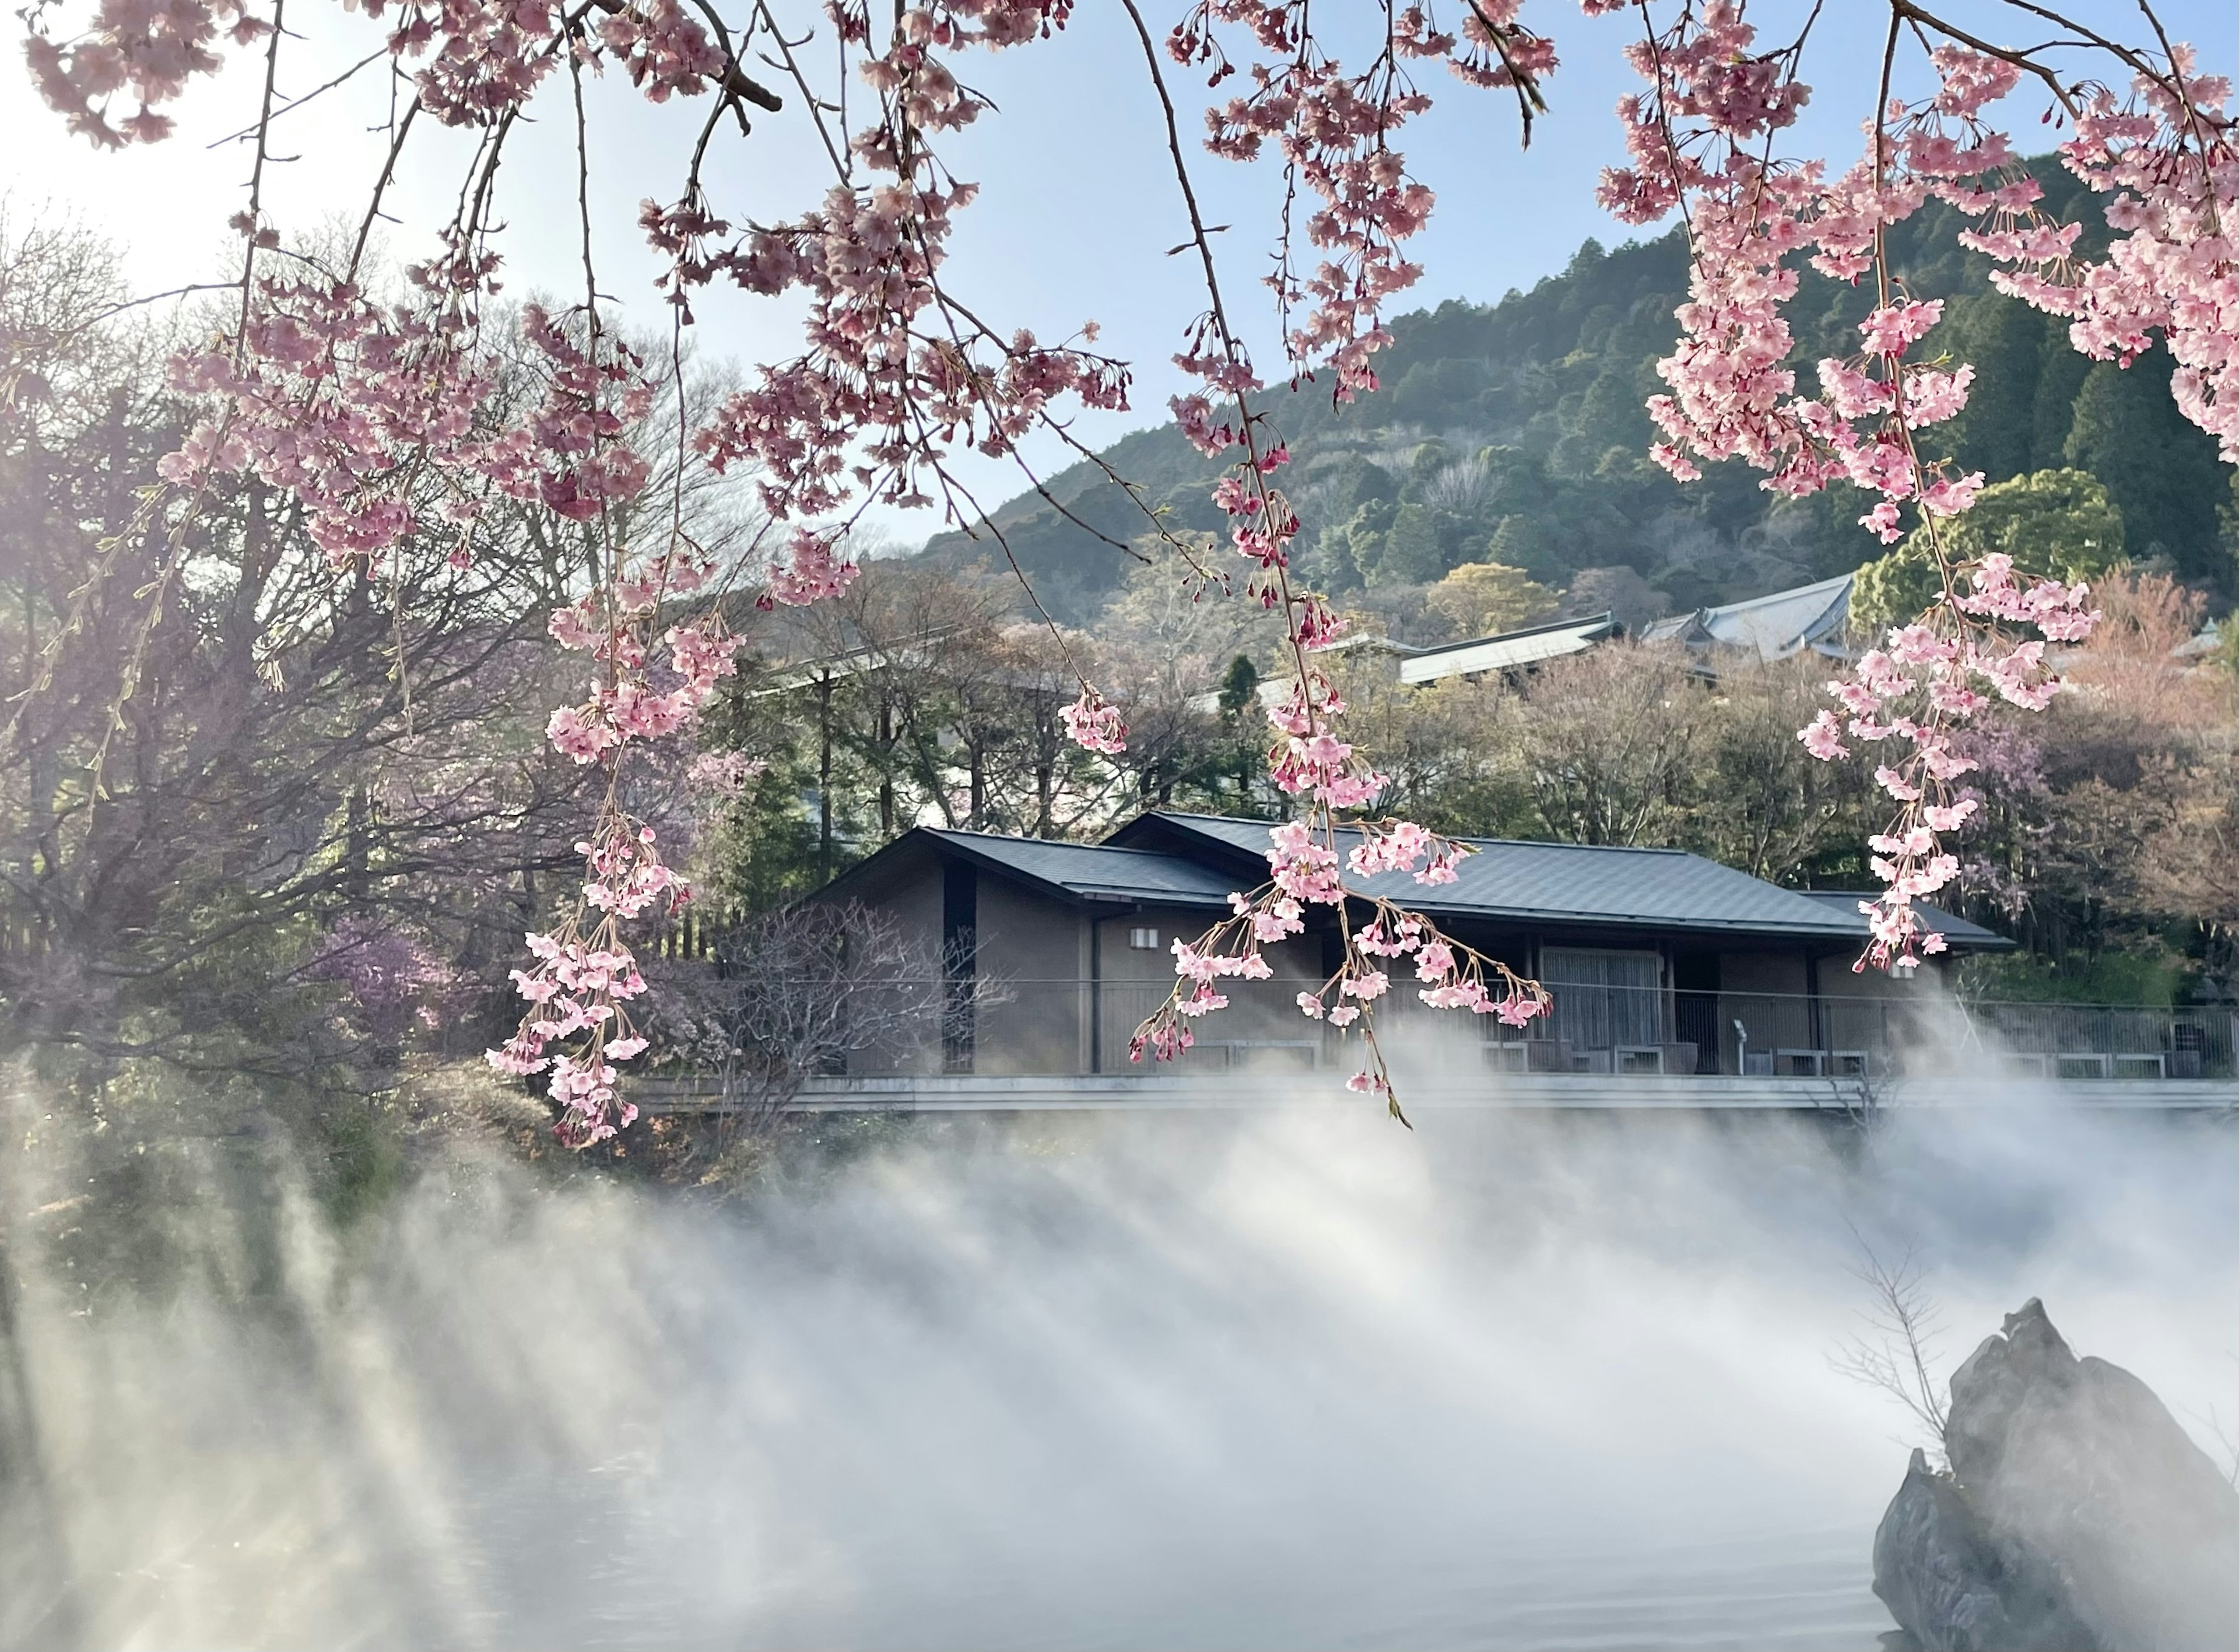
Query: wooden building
1659, 961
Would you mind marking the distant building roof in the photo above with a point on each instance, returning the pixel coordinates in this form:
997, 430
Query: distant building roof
1272, 691
910, 654
1784, 623
1555, 883
1508, 650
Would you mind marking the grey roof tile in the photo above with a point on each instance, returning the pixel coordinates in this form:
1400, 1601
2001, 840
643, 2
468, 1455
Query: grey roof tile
1508, 650
1095, 871
1558, 883
1775, 625
1201, 858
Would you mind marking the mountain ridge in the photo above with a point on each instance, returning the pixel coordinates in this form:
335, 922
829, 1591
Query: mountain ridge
1515, 432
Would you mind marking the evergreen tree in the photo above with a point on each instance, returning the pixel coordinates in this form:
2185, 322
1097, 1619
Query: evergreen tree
1239, 684
2004, 339
1410, 554
2059, 522
1519, 541
2160, 469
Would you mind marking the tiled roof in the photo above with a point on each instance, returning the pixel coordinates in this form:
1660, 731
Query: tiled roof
1508, 650
1776, 625
1172, 858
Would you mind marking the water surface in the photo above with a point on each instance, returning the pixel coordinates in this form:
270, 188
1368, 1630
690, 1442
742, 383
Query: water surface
1303, 1380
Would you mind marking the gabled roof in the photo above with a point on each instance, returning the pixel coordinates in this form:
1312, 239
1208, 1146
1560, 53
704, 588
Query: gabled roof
1776, 625
1955, 929
1074, 871
1552, 884
1094, 871
1169, 858
1508, 650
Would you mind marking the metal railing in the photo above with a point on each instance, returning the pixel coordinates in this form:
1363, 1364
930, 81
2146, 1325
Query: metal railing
1082, 1027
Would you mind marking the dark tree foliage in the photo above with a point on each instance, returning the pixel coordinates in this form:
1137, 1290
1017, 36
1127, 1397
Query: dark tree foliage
252, 810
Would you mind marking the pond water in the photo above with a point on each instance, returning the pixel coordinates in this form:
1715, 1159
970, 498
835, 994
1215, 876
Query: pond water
1302, 1380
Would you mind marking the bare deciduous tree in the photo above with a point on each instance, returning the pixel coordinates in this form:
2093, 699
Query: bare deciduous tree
798, 993
1896, 1353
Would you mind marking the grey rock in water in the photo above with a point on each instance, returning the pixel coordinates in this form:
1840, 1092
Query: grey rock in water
1942, 1576
2078, 1516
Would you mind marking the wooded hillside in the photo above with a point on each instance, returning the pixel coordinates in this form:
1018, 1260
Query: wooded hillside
1514, 434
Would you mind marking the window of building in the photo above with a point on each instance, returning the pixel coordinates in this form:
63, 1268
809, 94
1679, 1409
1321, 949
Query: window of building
1143, 940
1604, 1000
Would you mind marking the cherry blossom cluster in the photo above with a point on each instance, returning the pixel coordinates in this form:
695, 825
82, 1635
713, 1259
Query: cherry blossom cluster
1308, 758
1334, 131
1918, 693
1094, 724
2167, 159
652, 682
340, 399
483, 60
630, 699
1401, 846
1305, 873
486, 58
624, 703
896, 381
897, 376
146, 49
1702, 141
663, 50
569, 455
577, 1026
577, 993
346, 402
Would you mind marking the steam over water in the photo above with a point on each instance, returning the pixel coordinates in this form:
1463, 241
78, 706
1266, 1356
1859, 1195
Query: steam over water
1302, 1379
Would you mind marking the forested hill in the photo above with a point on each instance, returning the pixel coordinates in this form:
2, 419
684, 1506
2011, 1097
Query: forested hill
1514, 432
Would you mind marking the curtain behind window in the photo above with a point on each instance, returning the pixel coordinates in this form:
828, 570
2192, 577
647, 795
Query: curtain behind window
1605, 999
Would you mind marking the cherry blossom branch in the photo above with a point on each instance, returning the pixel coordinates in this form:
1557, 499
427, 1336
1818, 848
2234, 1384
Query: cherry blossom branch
375, 420
1734, 397
1305, 757
347, 76
380, 186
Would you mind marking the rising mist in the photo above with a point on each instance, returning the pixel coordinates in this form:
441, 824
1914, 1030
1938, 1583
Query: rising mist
1299, 1378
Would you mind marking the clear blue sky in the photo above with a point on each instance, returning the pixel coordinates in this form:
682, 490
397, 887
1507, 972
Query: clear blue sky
1079, 205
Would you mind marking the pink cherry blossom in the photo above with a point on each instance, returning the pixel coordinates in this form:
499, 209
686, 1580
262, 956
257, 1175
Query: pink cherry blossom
1095, 724
382, 415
